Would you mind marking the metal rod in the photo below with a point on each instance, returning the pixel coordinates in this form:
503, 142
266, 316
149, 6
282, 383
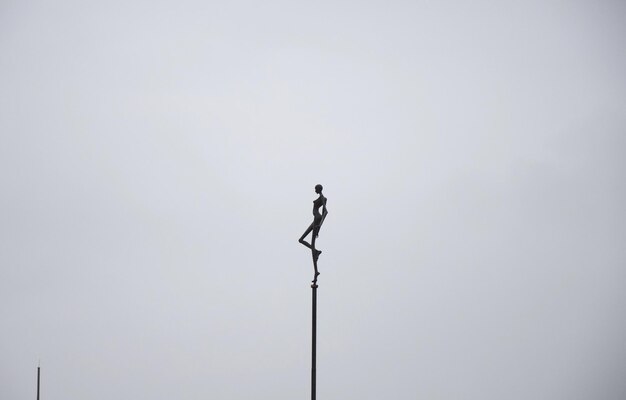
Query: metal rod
314, 339
38, 370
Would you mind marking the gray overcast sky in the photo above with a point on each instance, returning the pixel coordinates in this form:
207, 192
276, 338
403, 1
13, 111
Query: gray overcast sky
157, 165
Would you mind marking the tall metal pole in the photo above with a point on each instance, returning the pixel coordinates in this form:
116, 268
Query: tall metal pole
314, 338
38, 370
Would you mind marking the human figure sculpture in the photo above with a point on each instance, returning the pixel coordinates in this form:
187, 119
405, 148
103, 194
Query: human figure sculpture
318, 220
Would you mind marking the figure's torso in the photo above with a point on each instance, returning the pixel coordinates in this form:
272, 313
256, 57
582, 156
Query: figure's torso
317, 203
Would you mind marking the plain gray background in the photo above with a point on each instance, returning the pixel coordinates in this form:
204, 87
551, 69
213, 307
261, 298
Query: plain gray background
157, 165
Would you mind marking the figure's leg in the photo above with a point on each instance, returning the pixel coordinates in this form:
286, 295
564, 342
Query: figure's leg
316, 273
304, 242
316, 253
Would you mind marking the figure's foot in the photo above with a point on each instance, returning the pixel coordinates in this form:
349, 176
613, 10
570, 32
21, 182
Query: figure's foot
315, 278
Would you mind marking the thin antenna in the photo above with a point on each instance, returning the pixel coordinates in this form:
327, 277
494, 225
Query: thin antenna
38, 375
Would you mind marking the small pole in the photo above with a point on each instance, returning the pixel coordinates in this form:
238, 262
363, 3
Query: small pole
314, 338
38, 375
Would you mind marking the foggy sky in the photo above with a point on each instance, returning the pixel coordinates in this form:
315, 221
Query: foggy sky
157, 165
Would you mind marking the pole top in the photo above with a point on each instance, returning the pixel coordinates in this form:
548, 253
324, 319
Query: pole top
314, 286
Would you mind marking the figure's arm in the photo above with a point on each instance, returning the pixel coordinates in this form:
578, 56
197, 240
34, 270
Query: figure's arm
324, 212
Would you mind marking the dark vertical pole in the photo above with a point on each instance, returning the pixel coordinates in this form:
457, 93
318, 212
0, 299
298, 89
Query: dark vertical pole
314, 339
38, 370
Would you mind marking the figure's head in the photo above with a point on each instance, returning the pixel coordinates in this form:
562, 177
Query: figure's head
318, 188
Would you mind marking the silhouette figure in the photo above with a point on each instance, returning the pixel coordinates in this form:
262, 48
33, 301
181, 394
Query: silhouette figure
318, 220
